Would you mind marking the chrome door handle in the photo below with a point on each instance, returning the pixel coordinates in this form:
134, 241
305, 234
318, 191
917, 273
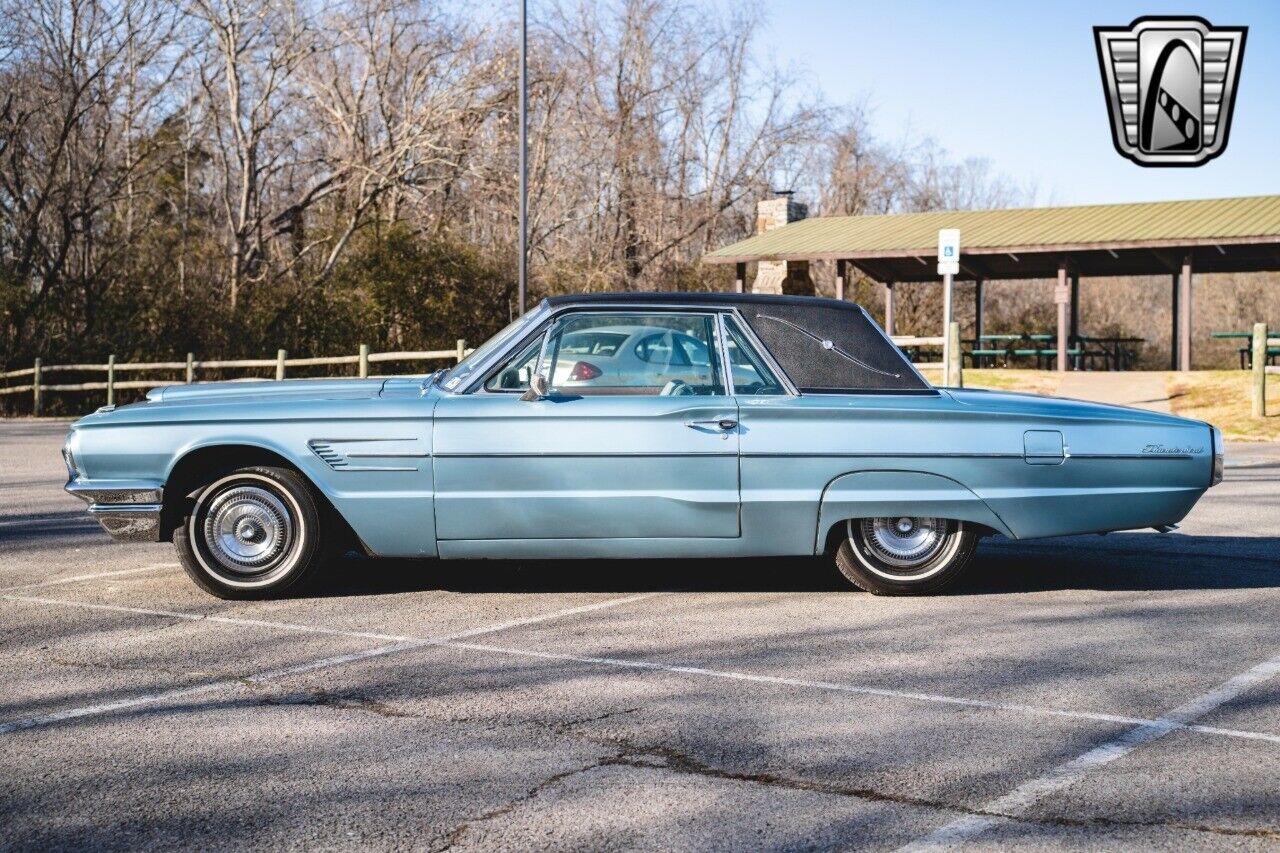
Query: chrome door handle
725, 424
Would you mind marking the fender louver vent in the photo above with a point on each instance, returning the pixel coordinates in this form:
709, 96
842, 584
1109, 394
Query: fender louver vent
331, 457
369, 454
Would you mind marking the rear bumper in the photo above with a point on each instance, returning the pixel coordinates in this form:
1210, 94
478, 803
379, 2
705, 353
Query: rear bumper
127, 509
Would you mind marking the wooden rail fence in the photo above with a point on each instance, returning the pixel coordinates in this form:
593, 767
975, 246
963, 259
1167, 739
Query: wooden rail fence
953, 372
37, 387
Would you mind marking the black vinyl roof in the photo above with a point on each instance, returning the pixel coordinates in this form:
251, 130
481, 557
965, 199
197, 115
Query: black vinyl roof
824, 345
694, 299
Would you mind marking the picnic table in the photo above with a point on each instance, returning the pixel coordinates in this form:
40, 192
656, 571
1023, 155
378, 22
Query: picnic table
1116, 353
1246, 352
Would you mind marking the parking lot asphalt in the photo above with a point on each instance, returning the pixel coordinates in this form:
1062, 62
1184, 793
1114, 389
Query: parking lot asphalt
1117, 692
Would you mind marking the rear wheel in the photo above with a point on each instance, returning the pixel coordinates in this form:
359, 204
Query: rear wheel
905, 555
252, 533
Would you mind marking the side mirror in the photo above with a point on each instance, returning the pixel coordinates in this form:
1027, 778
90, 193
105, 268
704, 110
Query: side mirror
538, 389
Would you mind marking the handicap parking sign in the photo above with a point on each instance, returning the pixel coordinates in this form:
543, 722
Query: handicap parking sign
949, 251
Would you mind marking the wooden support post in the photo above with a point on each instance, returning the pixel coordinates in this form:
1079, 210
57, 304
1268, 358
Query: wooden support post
1062, 297
1173, 330
955, 360
978, 310
888, 308
364, 360
462, 349
37, 394
281, 355
740, 278
1259, 370
111, 380
1184, 315
1074, 334
842, 277
191, 367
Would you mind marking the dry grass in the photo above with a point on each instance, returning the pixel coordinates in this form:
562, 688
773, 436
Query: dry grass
1026, 381
1221, 397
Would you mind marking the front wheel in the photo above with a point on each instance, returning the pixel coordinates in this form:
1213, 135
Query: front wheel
251, 534
905, 555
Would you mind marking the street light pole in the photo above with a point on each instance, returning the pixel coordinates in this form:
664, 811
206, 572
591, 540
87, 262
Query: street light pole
524, 154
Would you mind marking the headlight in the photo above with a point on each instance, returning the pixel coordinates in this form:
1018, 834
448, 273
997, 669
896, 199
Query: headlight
1219, 455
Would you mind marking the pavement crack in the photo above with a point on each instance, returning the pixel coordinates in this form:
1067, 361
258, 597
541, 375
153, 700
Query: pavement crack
566, 725
670, 759
113, 666
455, 835
339, 701
665, 758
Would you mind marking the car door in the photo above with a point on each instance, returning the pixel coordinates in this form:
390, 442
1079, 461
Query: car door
620, 447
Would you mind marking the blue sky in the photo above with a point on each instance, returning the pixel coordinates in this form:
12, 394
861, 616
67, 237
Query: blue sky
1018, 83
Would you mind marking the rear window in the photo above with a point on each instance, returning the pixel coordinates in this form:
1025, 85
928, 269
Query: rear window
829, 348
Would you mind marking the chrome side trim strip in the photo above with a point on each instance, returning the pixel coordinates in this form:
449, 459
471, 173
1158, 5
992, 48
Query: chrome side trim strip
339, 460
124, 509
1151, 456
959, 456
884, 455
356, 455
375, 438
586, 455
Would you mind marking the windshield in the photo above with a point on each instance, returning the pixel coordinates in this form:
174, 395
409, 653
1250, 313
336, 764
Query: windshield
456, 377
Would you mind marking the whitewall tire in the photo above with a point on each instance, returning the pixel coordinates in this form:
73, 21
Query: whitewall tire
252, 533
904, 555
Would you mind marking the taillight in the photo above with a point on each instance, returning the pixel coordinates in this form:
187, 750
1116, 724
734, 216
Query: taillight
584, 370
1219, 456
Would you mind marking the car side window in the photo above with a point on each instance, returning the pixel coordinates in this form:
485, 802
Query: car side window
751, 375
625, 353
515, 374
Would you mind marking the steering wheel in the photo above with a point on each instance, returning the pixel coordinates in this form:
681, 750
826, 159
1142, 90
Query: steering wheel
677, 388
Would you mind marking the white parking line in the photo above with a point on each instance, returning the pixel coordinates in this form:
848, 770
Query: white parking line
456, 641
94, 576
402, 644
1019, 801
200, 689
838, 687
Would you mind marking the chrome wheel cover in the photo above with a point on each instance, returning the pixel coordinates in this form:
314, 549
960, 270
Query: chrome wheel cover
246, 532
247, 529
904, 542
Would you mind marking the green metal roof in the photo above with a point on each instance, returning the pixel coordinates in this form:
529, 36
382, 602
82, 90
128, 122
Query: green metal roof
1225, 221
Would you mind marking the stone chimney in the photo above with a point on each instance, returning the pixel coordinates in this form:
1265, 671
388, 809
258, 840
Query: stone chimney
790, 277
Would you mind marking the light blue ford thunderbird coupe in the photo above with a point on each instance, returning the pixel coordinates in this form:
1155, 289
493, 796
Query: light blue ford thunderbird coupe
636, 425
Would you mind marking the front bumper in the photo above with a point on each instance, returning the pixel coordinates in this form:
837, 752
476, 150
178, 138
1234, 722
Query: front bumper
127, 509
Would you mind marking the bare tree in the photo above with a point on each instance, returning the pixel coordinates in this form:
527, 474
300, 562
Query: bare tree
84, 82
206, 172
252, 53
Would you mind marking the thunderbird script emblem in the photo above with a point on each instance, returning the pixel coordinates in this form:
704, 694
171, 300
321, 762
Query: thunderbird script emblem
1170, 85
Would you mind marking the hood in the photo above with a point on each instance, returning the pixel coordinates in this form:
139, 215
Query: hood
289, 389
1032, 405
